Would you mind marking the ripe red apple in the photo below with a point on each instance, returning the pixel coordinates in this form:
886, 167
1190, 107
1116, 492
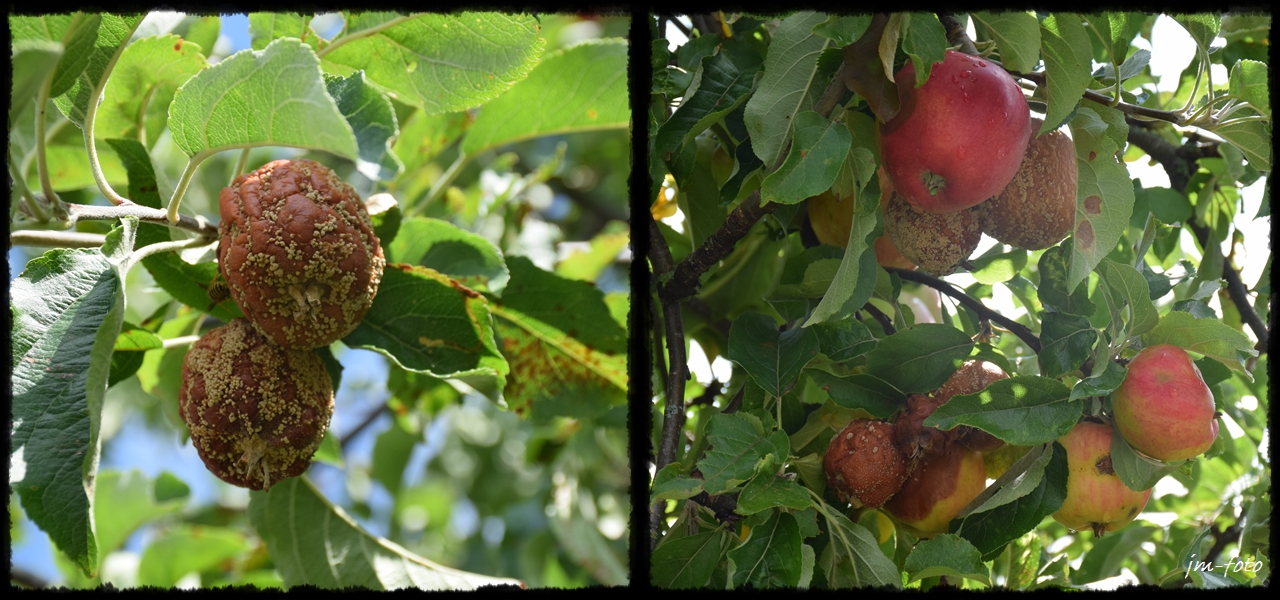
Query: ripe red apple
937, 490
1163, 408
958, 139
1096, 498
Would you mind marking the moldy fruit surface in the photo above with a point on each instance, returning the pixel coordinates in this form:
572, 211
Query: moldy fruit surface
938, 490
257, 412
1163, 407
1096, 498
298, 252
1037, 208
863, 464
937, 243
958, 139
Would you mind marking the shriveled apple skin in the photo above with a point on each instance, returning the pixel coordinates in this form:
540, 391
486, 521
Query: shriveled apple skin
958, 139
1163, 408
1096, 498
937, 490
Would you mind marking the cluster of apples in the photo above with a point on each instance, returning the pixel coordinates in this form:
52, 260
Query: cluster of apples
921, 476
1164, 410
962, 158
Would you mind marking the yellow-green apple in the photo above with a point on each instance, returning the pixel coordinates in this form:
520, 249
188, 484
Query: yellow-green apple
937, 490
1096, 498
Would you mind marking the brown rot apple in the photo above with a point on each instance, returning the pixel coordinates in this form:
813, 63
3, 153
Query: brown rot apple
1163, 408
958, 139
1037, 208
1096, 498
935, 242
937, 490
863, 464
972, 377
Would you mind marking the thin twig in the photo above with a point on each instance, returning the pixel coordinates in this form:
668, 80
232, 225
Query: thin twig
885, 322
673, 415
197, 224
364, 424
56, 239
1018, 329
956, 34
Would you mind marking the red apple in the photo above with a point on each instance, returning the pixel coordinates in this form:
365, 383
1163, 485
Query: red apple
937, 490
1096, 498
958, 139
1163, 408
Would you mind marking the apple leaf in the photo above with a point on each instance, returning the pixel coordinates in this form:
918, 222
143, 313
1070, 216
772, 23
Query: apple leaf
919, 359
690, 561
1067, 342
772, 358
854, 559
723, 81
1104, 193
113, 33
925, 41
142, 85
817, 154
788, 87
1066, 49
1130, 288
1208, 336
865, 74
1203, 27
861, 391
1023, 411
767, 558
946, 554
1017, 34
671, 483
991, 530
855, 279
738, 442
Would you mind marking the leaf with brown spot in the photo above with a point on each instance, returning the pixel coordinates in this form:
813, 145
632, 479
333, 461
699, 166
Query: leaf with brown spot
429, 323
570, 362
1104, 192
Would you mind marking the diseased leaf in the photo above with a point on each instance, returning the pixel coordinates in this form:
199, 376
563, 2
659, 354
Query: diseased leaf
1104, 194
568, 356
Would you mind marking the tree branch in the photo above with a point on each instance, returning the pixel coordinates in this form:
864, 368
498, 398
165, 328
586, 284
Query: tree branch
684, 281
673, 415
1178, 163
956, 34
885, 322
197, 224
1018, 329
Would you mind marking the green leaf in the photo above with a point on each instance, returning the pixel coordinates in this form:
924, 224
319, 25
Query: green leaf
32, 59
187, 283
1109, 554
1253, 138
270, 97
721, 84
1067, 341
1053, 284
1066, 50
1203, 27
1104, 193
1249, 81
1208, 336
468, 258
201, 31
788, 87
671, 483
817, 154
767, 558
67, 308
919, 359
186, 549
78, 34
567, 354
161, 372
372, 119
587, 265
265, 27
688, 562
1023, 484
1017, 34
855, 280
1104, 380
990, 531
854, 559
1130, 288
738, 441
583, 88
844, 340
1115, 30
946, 555
999, 268
843, 30
861, 391
316, 543
142, 85
428, 323
1022, 411
391, 455
768, 490
925, 41
422, 138
439, 62
772, 358
113, 33
122, 502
